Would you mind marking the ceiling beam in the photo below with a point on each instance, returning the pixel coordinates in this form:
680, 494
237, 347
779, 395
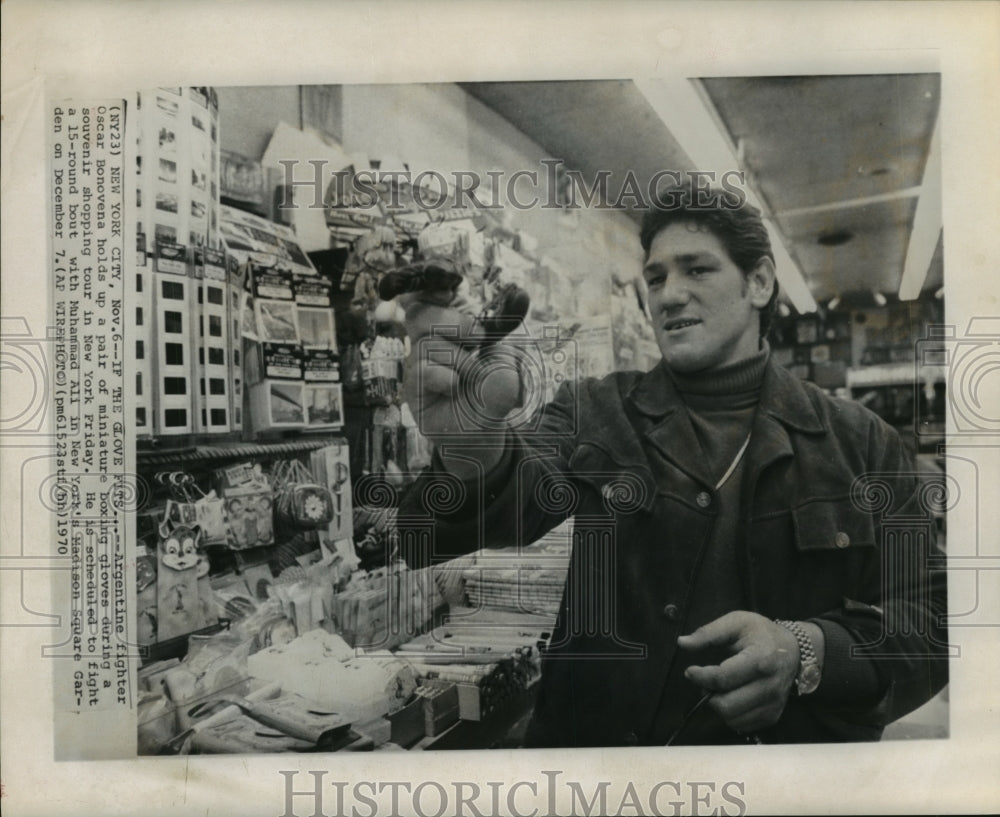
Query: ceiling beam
926, 223
689, 117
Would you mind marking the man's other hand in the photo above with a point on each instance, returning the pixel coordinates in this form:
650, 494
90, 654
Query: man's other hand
751, 687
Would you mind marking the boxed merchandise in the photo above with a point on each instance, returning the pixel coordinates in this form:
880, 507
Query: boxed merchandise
274, 303
324, 405
212, 341
314, 306
317, 327
140, 355
274, 373
275, 361
323, 396
276, 320
173, 363
312, 290
235, 279
277, 404
482, 688
246, 491
320, 366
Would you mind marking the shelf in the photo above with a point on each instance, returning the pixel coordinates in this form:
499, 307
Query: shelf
230, 450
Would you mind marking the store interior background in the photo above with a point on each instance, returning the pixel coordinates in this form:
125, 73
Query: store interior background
840, 164
846, 169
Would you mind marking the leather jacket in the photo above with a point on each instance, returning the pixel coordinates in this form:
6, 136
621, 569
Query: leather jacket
834, 529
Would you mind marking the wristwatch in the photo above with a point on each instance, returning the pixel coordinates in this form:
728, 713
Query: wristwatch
809, 672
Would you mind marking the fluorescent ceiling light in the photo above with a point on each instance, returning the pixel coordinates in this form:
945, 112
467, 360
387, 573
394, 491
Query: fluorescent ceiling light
687, 116
863, 201
926, 224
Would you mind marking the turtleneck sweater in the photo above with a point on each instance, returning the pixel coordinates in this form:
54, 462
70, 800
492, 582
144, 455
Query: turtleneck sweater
720, 406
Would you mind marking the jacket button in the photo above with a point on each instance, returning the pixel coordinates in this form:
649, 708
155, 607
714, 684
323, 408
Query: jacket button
671, 612
631, 738
842, 540
704, 499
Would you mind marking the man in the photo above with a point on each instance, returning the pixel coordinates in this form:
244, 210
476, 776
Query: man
726, 577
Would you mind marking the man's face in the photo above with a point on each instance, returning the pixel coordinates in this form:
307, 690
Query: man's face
704, 309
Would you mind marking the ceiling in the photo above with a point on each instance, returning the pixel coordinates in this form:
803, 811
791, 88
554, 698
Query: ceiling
591, 125
837, 161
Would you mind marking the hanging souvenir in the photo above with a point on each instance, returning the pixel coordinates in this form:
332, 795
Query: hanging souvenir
299, 500
246, 493
180, 564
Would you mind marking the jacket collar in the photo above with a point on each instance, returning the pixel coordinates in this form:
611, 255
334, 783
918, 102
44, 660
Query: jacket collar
785, 398
669, 429
784, 403
782, 396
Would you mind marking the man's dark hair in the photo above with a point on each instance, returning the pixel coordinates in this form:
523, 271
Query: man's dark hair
733, 220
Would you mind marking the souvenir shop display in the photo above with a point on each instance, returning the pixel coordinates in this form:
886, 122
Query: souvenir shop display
271, 604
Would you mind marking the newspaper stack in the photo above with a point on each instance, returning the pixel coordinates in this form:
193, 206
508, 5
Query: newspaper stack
528, 580
531, 589
386, 607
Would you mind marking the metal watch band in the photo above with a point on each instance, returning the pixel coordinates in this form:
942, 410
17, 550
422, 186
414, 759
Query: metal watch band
807, 678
